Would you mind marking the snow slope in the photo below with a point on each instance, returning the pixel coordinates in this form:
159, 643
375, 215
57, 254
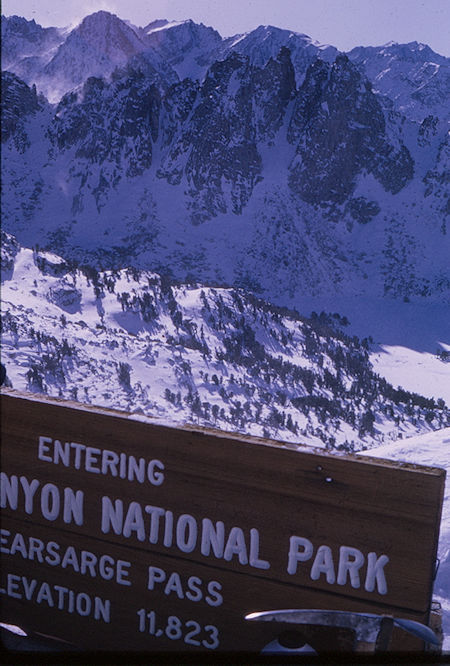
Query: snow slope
432, 449
214, 356
410, 339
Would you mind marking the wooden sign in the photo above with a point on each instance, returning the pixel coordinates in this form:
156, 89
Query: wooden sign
122, 534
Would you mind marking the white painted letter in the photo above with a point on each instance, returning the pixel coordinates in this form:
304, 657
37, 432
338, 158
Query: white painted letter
134, 522
91, 460
168, 529
109, 461
349, 566
112, 516
50, 502
186, 524
213, 536
12, 585
29, 489
73, 506
155, 575
295, 555
61, 592
28, 587
8, 491
42, 448
83, 604
236, 546
216, 599
45, 594
254, 551
78, 449
4, 534
156, 478
323, 563
375, 572
102, 609
122, 573
136, 470
60, 452
156, 513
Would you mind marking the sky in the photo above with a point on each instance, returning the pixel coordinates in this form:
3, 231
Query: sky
343, 23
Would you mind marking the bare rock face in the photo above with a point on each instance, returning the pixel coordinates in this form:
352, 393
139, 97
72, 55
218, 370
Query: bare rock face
18, 102
9, 249
65, 296
340, 130
437, 182
50, 264
237, 106
217, 147
113, 125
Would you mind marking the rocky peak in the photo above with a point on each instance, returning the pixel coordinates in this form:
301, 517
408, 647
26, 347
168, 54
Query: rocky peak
162, 32
283, 175
23, 39
21, 27
9, 249
265, 42
282, 73
94, 48
412, 75
219, 75
17, 101
109, 35
308, 104
217, 150
184, 45
154, 25
345, 137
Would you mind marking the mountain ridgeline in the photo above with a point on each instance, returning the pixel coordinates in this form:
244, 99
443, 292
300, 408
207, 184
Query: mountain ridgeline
263, 161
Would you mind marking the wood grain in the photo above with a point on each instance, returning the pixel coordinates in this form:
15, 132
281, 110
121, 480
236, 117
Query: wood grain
369, 505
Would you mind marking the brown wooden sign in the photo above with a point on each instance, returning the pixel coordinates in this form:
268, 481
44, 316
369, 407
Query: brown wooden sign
123, 534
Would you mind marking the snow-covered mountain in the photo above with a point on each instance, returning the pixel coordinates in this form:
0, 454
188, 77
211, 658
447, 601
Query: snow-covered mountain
27, 45
189, 48
242, 178
220, 357
96, 47
266, 41
412, 76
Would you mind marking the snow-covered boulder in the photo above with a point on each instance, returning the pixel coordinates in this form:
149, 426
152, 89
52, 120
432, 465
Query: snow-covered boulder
50, 264
65, 296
